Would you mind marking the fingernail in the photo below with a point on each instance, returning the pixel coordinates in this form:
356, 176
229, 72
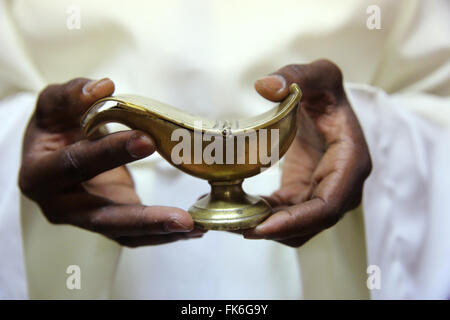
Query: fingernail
140, 146
176, 226
275, 83
259, 229
256, 233
90, 86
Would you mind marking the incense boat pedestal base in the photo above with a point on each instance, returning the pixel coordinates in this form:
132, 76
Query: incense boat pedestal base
228, 207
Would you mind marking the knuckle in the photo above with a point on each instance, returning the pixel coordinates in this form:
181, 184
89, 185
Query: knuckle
47, 94
112, 145
293, 67
59, 96
47, 100
328, 211
53, 211
362, 167
73, 88
294, 71
25, 185
53, 218
96, 222
356, 201
332, 213
101, 221
72, 165
141, 222
328, 64
65, 96
367, 169
29, 184
71, 92
333, 72
359, 160
331, 219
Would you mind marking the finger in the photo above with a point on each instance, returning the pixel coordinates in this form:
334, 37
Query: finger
134, 242
65, 208
116, 221
60, 106
273, 87
297, 242
324, 101
338, 190
272, 200
86, 159
300, 220
314, 79
290, 194
291, 242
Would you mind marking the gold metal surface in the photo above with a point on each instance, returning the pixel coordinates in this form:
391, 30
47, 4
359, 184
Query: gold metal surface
227, 207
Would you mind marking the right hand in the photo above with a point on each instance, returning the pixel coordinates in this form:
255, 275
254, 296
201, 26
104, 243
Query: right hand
85, 182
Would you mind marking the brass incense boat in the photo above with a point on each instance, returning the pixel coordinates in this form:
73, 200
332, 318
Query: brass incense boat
223, 152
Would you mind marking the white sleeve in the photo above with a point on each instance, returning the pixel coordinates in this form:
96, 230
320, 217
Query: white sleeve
15, 111
406, 207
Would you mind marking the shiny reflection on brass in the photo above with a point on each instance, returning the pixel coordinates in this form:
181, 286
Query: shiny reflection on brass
227, 207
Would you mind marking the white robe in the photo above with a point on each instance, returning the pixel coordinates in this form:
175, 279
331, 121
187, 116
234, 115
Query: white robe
203, 56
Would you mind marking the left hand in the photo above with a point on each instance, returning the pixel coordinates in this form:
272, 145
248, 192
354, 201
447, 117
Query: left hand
325, 168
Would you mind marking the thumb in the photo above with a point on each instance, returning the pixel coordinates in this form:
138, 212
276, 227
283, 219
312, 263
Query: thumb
321, 81
272, 87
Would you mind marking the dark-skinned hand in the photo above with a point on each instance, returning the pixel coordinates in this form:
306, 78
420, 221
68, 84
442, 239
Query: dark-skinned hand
325, 168
84, 182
